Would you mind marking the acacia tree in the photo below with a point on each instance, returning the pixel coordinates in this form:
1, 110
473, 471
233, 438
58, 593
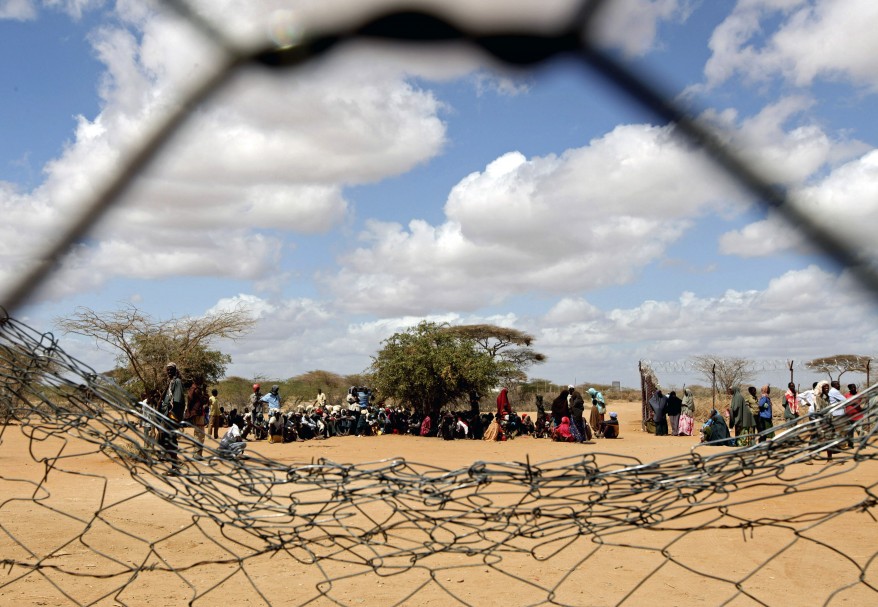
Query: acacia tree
145, 345
840, 364
509, 348
729, 371
22, 371
429, 367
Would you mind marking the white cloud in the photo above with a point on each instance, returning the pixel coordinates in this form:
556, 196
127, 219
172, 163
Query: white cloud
503, 85
256, 307
760, 239
844, 203
18, 10
269, 153
591, 217
569, 310
75, 8
800, 315
783, 141
291, 337
632, 25
816, 39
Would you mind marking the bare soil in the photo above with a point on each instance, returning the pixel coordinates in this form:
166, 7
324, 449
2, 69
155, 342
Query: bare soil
75, 524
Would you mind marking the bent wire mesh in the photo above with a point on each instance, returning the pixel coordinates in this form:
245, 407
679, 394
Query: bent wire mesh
397, 532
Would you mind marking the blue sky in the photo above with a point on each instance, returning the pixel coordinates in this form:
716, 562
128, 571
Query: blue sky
378, 187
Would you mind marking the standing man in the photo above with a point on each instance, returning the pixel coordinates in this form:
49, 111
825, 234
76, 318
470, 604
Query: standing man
195, 411
216, 414
256, 401
320, 401
763, 419
173, 406
254, 417
809, 399
835, 396
792, 402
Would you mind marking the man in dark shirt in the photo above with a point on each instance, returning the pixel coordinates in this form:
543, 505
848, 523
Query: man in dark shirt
173, 406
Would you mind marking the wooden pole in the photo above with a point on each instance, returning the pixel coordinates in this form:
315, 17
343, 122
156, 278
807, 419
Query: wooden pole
713, 382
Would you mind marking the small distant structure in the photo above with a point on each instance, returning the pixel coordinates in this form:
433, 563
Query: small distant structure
617, 386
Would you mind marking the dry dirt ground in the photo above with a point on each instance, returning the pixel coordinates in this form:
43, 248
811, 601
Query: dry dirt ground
78, 527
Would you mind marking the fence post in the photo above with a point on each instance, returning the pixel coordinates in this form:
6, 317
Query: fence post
713, 385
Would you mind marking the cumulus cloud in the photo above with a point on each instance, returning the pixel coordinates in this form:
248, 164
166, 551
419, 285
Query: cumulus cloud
18, 10
632, 25
815, 39
844, 203
760, 239
784, 141
75, 8
292, 336
800, 315
502, 85
591, 217
270, 153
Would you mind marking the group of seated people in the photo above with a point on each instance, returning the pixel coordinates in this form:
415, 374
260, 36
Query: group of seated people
306, 423
312, 422
609, 428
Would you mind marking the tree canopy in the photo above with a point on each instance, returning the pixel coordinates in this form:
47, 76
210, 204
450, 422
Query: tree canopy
510, 348
729, 371
840, 364
428, 367
145, 345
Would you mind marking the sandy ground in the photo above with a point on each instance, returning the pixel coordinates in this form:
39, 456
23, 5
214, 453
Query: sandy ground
76, 527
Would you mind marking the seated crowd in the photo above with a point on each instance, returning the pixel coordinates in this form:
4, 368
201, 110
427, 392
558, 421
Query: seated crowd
360, 417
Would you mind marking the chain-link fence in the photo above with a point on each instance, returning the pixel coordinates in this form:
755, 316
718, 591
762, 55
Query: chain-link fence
718, 526
96, 509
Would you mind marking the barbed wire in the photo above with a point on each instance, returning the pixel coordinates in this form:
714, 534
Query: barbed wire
689, 366
684, 366
395, 518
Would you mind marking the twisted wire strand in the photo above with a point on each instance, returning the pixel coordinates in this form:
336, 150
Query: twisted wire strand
395, 519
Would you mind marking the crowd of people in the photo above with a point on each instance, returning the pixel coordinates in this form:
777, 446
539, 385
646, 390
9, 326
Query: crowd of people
566, 418
749, 418
672, 415
264, 418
